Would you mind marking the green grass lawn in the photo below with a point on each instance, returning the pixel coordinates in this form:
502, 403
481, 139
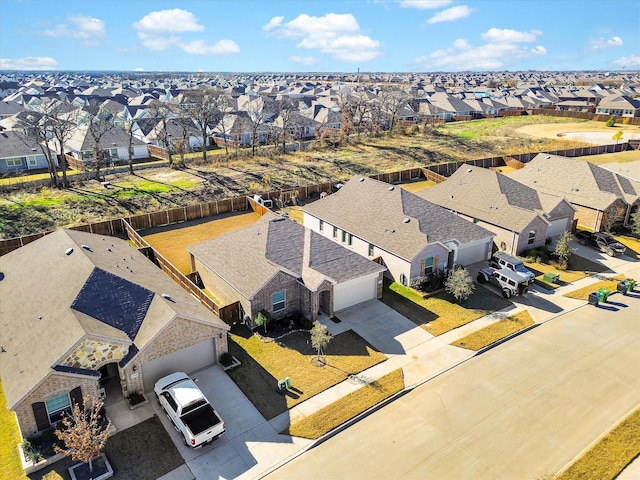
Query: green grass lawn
440, 313
496, 331
348, 407
607, 458
266, 362
10, 464
579, 267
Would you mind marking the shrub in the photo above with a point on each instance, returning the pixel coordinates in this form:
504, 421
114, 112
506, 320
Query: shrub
226, 359
136, 398
52, 475
31, 452
611, 122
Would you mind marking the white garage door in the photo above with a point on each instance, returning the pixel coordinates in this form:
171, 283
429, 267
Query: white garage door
354, 291
474, 252
557, 227
186, 360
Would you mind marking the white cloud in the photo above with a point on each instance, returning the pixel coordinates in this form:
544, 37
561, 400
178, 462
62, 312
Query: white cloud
600, 43
506, 35
501, 49
451, 14
81, 27
199, 47
630, 61
139, 69
424, 4
306, 61
337, 35
273, 23
28, 63
168, 21
157, 30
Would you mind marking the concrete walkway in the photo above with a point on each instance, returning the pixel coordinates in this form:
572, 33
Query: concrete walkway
253, 447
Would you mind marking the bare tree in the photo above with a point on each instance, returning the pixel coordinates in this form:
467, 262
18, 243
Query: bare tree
85, 433
99, 124
206, 106
63, 127
320, 338
392, 100
285, 122
258, 113
36, 127
162, 112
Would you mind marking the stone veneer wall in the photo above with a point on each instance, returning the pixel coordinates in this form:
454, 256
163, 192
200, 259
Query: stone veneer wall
180, 333
55, 384
92, 354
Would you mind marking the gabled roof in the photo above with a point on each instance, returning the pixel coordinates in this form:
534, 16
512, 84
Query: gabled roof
491, 197
15, 144
70, 285
579, 181
392, 218
248, 258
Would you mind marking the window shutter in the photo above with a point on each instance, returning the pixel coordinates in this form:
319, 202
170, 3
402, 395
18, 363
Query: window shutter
41, 415
436, 263
76, 397
422, 267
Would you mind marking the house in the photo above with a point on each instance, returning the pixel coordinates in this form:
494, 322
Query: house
597, 194
19, 152
80, 309
409, 235
520, 217
114, 141
619, 106
284, 268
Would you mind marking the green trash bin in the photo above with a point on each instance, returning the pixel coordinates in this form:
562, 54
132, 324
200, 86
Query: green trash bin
551, 277
631, 284
603, 294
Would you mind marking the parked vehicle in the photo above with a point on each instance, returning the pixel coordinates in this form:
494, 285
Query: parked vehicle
504, 260
189, 410
510, 282
600, 241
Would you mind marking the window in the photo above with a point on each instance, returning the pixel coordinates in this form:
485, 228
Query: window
350, 240
322, 225
57, 406
335, 232
428, 265
403, 279
278, 301
476, 221
344, 237
371, 249
32, 161
532, 237
15, 161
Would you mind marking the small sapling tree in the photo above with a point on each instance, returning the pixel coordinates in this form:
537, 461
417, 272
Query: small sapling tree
320, 338
459, 284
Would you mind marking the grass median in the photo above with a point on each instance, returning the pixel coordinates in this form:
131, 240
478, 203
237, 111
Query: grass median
348, 407
263, 363
607, 458
583, 293
496, 331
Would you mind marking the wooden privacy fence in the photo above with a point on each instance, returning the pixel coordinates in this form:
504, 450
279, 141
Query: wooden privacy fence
598, 117
228, 313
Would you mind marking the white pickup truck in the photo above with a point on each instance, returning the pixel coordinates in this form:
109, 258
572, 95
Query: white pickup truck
189, 410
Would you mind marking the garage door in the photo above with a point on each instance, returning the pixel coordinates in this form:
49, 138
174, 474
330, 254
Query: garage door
354, 291
473, 252
557, 227
186, 360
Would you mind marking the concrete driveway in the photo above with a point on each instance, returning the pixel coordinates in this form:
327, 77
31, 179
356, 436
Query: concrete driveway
250, 445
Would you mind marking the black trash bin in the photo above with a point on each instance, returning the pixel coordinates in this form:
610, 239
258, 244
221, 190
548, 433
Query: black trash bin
622, 287
594, 298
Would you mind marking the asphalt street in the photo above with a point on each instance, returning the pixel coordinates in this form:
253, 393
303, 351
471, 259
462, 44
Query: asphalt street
524, 409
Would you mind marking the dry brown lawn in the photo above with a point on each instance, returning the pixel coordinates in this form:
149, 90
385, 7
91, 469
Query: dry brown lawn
414, 187
171, 241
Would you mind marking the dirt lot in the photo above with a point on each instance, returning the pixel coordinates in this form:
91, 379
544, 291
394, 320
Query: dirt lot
171, 241
557, 130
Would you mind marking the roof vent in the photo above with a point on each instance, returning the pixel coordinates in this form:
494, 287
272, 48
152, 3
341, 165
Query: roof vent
361, 179
68, 251
86, 247
548, 157
450, 196
166, 296
406, 220
469, 170
34, 150
391, 188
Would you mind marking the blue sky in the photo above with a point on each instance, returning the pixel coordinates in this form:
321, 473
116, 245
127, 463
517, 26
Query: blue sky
320, 36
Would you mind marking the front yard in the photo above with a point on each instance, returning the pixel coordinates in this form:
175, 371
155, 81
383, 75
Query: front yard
263, 363
579, 267
439, 313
